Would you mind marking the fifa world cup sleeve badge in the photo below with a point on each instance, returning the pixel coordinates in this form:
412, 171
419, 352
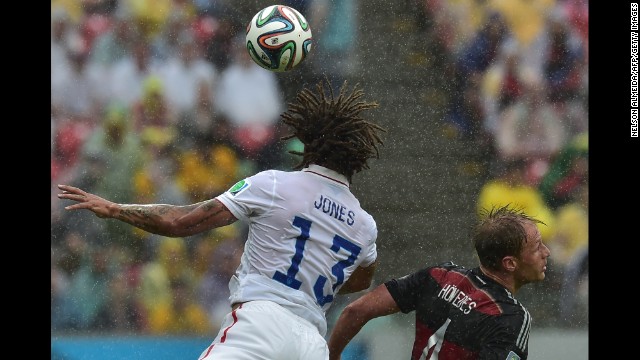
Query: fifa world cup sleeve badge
512, 356
238, 187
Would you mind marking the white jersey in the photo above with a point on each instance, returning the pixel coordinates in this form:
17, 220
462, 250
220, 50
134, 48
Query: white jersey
307, 234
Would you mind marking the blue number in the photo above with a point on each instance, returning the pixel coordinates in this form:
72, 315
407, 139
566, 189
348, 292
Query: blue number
337, 269
290, 278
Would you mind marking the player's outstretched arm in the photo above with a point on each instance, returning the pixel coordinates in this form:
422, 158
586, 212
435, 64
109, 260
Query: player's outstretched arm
161, 219
374, 304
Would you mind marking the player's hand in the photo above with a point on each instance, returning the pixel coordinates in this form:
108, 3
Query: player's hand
85, 200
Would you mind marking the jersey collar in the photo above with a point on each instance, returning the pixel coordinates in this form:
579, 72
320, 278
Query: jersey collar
327, 173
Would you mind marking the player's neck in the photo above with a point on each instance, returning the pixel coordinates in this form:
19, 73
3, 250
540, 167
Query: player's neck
500, 278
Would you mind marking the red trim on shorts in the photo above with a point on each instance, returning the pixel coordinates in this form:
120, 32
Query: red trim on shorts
224, 335
235, 320
208, 351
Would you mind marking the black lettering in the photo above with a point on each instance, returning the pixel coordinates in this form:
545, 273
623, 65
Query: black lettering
334, 210
326, 205
318, 204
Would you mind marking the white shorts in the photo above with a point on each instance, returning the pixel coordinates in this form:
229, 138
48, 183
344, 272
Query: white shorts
264, 330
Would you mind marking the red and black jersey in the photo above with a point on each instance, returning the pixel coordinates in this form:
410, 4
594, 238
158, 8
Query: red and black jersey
461, 314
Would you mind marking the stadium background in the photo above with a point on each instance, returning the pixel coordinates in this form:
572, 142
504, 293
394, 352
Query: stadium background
422, 60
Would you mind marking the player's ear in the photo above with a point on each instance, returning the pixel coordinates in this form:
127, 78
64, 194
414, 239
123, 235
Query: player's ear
509, 263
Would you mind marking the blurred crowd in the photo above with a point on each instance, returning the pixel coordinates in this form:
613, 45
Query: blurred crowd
157, 101
518, 90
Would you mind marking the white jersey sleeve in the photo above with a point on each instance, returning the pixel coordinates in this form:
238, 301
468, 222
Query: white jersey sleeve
307, 234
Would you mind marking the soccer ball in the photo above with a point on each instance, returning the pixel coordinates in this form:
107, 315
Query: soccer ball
278, 38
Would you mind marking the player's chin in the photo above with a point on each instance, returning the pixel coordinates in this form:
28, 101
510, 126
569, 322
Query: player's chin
542, 274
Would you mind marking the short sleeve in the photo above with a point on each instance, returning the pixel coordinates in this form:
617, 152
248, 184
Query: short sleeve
372, 254
407, 290
509, 339
250, 197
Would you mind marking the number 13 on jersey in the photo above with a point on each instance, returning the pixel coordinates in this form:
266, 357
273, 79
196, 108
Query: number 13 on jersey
337, 270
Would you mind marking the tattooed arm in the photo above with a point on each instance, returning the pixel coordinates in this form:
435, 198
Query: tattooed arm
161, 219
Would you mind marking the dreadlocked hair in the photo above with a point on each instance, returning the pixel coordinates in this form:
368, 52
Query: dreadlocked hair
332, 131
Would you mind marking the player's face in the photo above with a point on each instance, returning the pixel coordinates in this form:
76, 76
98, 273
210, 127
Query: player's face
532, 262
